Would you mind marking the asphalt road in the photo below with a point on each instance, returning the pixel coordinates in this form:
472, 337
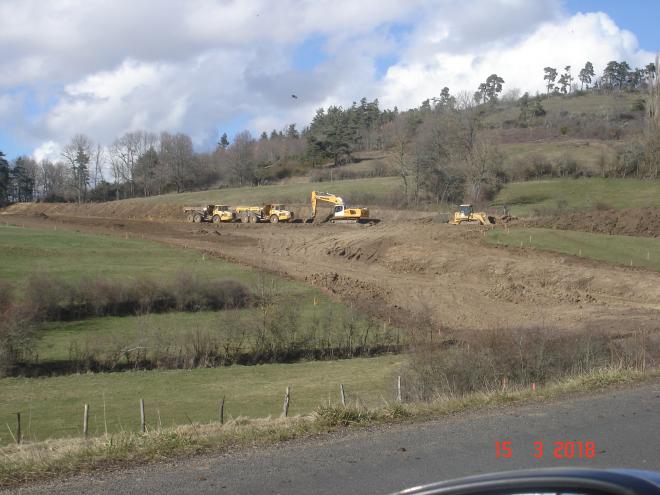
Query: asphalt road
624, 425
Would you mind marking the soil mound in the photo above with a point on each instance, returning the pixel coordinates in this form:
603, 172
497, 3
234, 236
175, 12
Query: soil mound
643, 222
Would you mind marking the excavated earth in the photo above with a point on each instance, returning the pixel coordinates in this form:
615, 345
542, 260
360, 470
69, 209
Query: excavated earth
403, 268
635, 221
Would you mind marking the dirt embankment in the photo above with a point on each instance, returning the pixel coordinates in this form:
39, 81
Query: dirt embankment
139, 209
635, 222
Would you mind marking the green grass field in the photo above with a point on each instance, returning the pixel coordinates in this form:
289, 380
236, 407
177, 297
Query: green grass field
71, 255
52, 407
293, 192
557, 195
617, 249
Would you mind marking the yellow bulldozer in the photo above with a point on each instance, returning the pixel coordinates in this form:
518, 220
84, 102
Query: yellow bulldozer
466, 214
340, 212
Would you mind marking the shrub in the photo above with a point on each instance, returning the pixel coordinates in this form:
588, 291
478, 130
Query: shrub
50, 299
480, 360
16, 331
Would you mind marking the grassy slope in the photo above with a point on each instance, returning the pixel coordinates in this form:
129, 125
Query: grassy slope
602, 106
52, 407
380, 187
584, 152
642, 251
549, 196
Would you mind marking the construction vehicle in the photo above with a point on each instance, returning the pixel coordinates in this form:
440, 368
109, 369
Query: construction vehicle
340, 212
274, 213
466, 214
209, 213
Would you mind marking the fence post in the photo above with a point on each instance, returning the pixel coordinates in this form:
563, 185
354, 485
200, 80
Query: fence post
86, 420
19, 437
222, 410
287, 399
398, 388
342, 395
143, 423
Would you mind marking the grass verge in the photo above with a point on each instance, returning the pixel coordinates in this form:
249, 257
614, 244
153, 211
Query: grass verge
616, 249
57, 458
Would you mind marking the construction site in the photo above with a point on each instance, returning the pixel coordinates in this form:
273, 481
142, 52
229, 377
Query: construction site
408, 263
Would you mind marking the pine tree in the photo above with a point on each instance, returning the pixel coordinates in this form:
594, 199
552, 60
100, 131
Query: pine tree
224, 141
4, 180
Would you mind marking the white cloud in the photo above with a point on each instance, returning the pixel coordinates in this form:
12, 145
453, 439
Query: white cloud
49, 150
565, 41
109, 66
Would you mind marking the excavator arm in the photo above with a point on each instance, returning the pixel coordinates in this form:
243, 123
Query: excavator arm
324, 198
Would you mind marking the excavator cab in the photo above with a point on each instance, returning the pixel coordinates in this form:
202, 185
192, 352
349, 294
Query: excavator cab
466, 210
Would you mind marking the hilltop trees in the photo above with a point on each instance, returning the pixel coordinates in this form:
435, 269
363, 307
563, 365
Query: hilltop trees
550, 76
488, 91
586, 75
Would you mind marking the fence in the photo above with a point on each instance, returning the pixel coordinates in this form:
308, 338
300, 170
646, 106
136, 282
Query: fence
142, 411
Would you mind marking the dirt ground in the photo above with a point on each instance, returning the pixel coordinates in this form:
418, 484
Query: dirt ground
636, 221
400, 269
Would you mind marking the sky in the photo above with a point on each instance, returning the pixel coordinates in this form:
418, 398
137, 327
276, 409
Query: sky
203, 67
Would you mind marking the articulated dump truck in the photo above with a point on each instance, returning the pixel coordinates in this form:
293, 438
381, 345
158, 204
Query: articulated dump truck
273, 213
209, 213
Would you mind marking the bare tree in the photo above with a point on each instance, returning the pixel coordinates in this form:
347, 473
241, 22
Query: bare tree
243, 158
398, 135
98, 160
176, 152
125, 153
77, 156
652, 145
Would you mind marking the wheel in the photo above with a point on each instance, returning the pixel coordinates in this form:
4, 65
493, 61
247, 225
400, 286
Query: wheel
216, 219
190, 217
253, 218
274, 219
245, 218
198, 218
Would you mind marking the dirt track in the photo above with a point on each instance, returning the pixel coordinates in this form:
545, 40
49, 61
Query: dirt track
397, 269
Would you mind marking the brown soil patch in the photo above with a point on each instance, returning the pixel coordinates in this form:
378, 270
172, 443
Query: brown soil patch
636, 222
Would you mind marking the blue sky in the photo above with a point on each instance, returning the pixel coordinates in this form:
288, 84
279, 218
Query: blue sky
638, 16
62, 77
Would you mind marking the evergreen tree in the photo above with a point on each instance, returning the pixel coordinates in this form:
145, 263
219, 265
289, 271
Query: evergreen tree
224, 141
550, 76
23, 179
586, 74
4, 180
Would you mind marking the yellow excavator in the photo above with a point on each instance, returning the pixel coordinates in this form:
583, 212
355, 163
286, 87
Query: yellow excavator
340, 212
465, 214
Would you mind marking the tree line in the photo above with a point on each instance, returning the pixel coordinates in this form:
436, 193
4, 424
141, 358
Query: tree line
616, 75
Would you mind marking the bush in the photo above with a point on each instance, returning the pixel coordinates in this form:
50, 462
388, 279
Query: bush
16, 332
482, 359
50, 299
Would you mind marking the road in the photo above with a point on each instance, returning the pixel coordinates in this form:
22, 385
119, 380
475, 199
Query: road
624, 424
